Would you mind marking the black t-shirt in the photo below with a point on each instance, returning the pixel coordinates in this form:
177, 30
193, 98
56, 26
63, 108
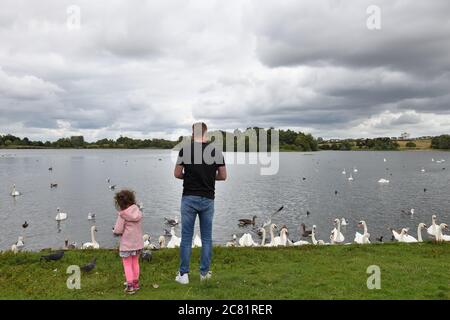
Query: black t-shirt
200, 162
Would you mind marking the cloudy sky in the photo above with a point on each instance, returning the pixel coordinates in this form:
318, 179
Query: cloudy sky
150, 68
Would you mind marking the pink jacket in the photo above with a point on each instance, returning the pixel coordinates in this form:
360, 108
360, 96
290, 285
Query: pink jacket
129, 227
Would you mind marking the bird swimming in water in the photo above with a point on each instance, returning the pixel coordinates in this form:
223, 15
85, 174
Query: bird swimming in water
244, 222
335, 192
171, 222
53, 185
89, 266
25, 225
307, 213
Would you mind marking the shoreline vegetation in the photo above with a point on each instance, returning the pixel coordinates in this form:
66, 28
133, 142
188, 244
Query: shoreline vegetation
407, 271
289, 140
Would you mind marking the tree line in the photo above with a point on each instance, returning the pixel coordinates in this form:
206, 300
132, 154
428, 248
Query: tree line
289, 140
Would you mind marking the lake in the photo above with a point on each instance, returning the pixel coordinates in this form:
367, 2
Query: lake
305, 182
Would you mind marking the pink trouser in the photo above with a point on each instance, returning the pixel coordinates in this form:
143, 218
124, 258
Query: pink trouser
131, 267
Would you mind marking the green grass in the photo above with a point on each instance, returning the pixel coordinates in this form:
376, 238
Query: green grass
415, 271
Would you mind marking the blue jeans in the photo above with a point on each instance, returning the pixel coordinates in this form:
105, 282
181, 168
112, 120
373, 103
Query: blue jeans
191, 206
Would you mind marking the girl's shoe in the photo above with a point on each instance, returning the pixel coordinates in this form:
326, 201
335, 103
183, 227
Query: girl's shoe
129, 289
136, 285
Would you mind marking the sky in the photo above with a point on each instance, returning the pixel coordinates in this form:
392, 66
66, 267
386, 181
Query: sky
148, 69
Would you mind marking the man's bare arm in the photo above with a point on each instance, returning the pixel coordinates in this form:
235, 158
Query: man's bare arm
178, 172
221, 174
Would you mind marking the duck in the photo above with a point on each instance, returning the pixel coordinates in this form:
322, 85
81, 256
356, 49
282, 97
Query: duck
91, 216
14, 192
112, 187
233, 242
25, 225
247, 241
362, 238
305, 233
244, 222
174, 240
433, 230
93, 244
60, 215
344, 222
197, 243
338, 236
53, 185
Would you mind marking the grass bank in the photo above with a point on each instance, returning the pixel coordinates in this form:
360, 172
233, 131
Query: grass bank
417, 271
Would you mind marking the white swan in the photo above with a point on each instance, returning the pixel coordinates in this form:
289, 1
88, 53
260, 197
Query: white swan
422, 170
405, 237
395, 234
350, 178
434, 228
419, 231
383, 180
162, 242
232, 243
197, 243
440, 236
313, 237
246, 240
338, 237
364, 237
384, 160
19, 244
283, 237
344, 172
14, 192
344, 222
174, 240
273, 226
147, 242
355, 170
14, 249
60, 215
93, 244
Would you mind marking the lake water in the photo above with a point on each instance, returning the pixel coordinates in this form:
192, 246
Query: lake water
81, 177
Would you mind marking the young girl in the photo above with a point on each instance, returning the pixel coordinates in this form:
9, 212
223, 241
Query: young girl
129, 228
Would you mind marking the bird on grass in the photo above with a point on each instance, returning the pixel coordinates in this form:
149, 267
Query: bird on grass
54, 256
146, 255
89, 266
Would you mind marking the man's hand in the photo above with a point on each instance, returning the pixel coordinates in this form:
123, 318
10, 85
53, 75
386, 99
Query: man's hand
178, 172
221, 173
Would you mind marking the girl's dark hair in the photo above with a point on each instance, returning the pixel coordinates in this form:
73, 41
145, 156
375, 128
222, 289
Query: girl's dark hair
124, 199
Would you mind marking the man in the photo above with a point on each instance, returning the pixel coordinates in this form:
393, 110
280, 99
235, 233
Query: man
199, 165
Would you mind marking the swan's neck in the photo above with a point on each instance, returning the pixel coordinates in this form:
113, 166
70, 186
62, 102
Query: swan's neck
263, 240
365, 228
313, 237
271, 235
93, 236
419, 234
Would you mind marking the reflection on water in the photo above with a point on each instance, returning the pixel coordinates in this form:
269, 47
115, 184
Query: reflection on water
311, 182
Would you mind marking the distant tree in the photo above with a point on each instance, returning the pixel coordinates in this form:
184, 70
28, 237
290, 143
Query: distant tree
410, 144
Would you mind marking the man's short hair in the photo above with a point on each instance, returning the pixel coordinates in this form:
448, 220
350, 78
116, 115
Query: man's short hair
196, 128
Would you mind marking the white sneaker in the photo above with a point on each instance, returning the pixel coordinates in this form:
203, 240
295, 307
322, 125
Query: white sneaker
182, 279
206, 276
